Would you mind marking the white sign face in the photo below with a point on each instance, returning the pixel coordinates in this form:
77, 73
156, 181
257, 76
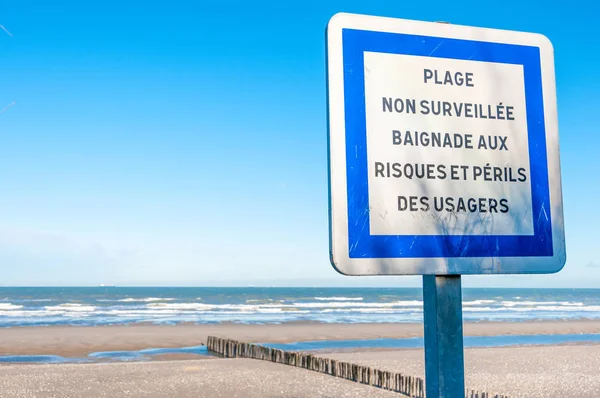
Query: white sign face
443, 145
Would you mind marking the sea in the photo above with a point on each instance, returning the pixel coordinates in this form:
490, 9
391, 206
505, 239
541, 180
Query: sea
91, 306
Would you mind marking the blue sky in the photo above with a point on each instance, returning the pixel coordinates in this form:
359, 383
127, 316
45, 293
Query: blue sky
184, 142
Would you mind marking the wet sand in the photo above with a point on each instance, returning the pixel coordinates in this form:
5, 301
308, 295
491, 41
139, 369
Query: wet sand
529, 372
74, 341
542, 371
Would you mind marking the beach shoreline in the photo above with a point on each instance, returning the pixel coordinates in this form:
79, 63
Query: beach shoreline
524, 371
529, 372
79, 341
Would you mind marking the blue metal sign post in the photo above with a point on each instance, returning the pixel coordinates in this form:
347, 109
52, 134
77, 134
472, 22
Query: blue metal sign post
443, 335
442, 318
443, 161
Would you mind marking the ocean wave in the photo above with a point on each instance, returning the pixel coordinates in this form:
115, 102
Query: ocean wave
281, 310
335, 298
188, 306
71, 307
145, 300
588, 308
264, 301
539, 308
534, 303
9, 306
168, 306
136, 300
309, 305
478, 302
35, 300
162, 313
29, 313
371, 311
199, 310
404, 303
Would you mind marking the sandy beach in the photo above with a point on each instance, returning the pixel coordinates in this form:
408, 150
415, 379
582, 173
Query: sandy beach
216, 378
76, 341
532, 371
529, 372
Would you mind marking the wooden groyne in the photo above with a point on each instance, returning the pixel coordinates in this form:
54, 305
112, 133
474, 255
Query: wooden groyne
408, 385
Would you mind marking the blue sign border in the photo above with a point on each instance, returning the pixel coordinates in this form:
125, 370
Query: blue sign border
364, 245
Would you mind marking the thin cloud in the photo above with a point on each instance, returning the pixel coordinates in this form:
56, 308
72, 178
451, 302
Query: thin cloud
6, 30
11, 104
593, 265
6, 108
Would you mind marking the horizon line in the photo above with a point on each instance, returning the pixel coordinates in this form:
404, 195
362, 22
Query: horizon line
284, 287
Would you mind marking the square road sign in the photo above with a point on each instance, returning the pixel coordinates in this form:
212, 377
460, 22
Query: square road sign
443, 149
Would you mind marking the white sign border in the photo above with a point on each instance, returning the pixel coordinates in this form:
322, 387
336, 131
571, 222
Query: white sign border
338, 205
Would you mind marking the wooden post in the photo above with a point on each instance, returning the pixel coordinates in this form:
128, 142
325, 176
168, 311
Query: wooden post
407, 385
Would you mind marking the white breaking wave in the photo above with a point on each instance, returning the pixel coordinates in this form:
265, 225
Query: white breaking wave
406, 303
265, 308
71, 307
145, 300
162, 312
386, 310
334, 298
588, 308
263, 301
187, 306
10, 306
551, 308
128, 308
29, 313
372, 310
479, 302
534, 303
